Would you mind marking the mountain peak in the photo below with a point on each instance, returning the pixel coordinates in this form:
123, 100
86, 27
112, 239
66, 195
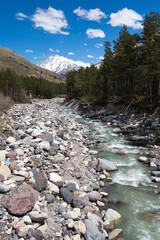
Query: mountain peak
61, 65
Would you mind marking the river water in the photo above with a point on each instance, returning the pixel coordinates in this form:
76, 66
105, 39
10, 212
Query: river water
132, 192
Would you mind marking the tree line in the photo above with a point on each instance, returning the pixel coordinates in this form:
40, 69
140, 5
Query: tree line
131, 67
16, 86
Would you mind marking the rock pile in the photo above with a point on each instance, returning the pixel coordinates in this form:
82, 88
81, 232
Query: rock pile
50, 187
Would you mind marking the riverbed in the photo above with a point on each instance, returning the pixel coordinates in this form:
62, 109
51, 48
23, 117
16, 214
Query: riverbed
131, 192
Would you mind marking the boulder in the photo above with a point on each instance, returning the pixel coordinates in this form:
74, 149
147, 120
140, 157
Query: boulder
20, 200
94, 196
112, 216
92, 231
109, 166
114, 234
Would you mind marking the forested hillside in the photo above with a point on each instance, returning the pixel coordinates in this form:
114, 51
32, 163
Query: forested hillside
16, 86
131, 67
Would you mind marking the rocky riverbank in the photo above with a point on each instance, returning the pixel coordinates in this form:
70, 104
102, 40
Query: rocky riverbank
141, 128
50, 182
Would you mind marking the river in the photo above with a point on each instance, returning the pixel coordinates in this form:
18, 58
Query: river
132, 192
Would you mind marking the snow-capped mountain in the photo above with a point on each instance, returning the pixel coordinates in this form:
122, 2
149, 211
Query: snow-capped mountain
61, 65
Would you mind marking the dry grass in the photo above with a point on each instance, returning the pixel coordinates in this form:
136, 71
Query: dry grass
5, 102
10, 59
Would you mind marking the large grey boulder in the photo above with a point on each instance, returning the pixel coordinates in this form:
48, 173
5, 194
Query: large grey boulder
92, 231
107, 165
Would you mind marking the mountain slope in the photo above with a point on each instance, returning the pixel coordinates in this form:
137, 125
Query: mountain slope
61, 65
12, 60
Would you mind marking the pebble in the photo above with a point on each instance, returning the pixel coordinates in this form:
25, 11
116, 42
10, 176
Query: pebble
38, 217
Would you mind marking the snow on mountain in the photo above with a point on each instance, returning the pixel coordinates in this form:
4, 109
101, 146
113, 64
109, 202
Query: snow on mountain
61, 65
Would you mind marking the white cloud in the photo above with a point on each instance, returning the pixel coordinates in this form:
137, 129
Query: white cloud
71, 53
51, 50
98, 45
85, 44
101, 58
29, 51
91, 15
90, 56
57, 50
20, 16
50, 20
128, 17
35, 57
95, 33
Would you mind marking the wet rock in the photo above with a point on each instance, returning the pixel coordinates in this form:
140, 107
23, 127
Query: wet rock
5, 171
92, 231
40, 181
144, 159
108, 165
38, 217
112, 216
66, 194
94, 196
108, 227
115, 233
156, 173
20, 200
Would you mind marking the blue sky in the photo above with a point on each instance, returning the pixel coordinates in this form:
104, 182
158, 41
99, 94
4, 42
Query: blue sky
76, 29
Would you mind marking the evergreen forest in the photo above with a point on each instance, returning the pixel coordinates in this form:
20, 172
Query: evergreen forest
16, 86
131, 67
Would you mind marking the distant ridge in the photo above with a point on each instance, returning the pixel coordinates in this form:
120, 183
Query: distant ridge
61, 65
12, 60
